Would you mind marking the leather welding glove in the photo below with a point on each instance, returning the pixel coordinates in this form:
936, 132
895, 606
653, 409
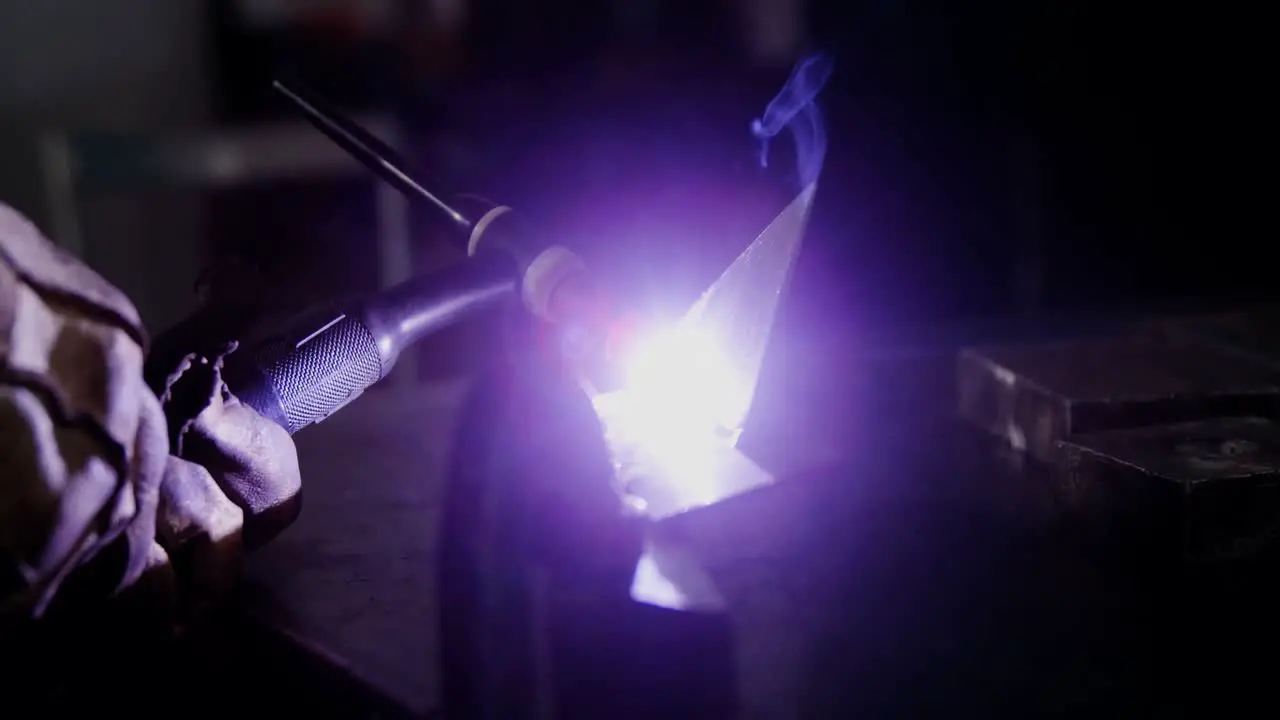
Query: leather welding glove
231, 459
91, 501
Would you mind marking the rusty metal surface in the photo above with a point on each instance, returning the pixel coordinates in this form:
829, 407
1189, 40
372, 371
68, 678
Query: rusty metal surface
1033, 396
1203, 492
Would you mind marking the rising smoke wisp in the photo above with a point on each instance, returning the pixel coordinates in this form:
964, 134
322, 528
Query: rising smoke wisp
795, 108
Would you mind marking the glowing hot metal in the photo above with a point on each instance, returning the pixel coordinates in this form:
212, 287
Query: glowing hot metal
674, 427
689, 389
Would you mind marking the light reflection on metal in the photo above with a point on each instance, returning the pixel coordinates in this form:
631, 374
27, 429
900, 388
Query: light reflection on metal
673, 428
675, 472
669, 576
737, 312
690, 388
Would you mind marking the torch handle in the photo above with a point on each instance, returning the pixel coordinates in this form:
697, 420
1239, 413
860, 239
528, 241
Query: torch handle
303, 376
327, 358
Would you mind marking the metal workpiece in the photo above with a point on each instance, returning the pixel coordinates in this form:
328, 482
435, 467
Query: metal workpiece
738, 311
1034, 396
666, 484
1200, 493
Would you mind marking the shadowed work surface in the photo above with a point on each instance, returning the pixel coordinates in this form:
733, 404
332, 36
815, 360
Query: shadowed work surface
355, 577
885, 581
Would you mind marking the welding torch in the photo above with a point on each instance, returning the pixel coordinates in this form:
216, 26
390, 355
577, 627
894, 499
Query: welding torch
325, 358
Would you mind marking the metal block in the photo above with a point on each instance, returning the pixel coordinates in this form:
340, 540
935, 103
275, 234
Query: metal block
1035, 396
1203, 493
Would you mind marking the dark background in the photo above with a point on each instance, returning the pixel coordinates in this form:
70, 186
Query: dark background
985, 158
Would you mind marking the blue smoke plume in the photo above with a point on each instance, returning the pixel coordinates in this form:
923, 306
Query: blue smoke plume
795, 107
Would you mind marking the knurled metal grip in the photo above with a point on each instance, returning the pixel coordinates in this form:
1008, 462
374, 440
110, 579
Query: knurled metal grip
320, 372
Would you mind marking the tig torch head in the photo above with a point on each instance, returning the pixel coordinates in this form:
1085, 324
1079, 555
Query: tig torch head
586, 326
554, 283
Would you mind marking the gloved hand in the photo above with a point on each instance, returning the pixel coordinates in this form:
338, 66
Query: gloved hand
224, 452
231, 482
91, 499
251, 458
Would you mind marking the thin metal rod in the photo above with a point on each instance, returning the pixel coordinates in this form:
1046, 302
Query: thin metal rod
369, 150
